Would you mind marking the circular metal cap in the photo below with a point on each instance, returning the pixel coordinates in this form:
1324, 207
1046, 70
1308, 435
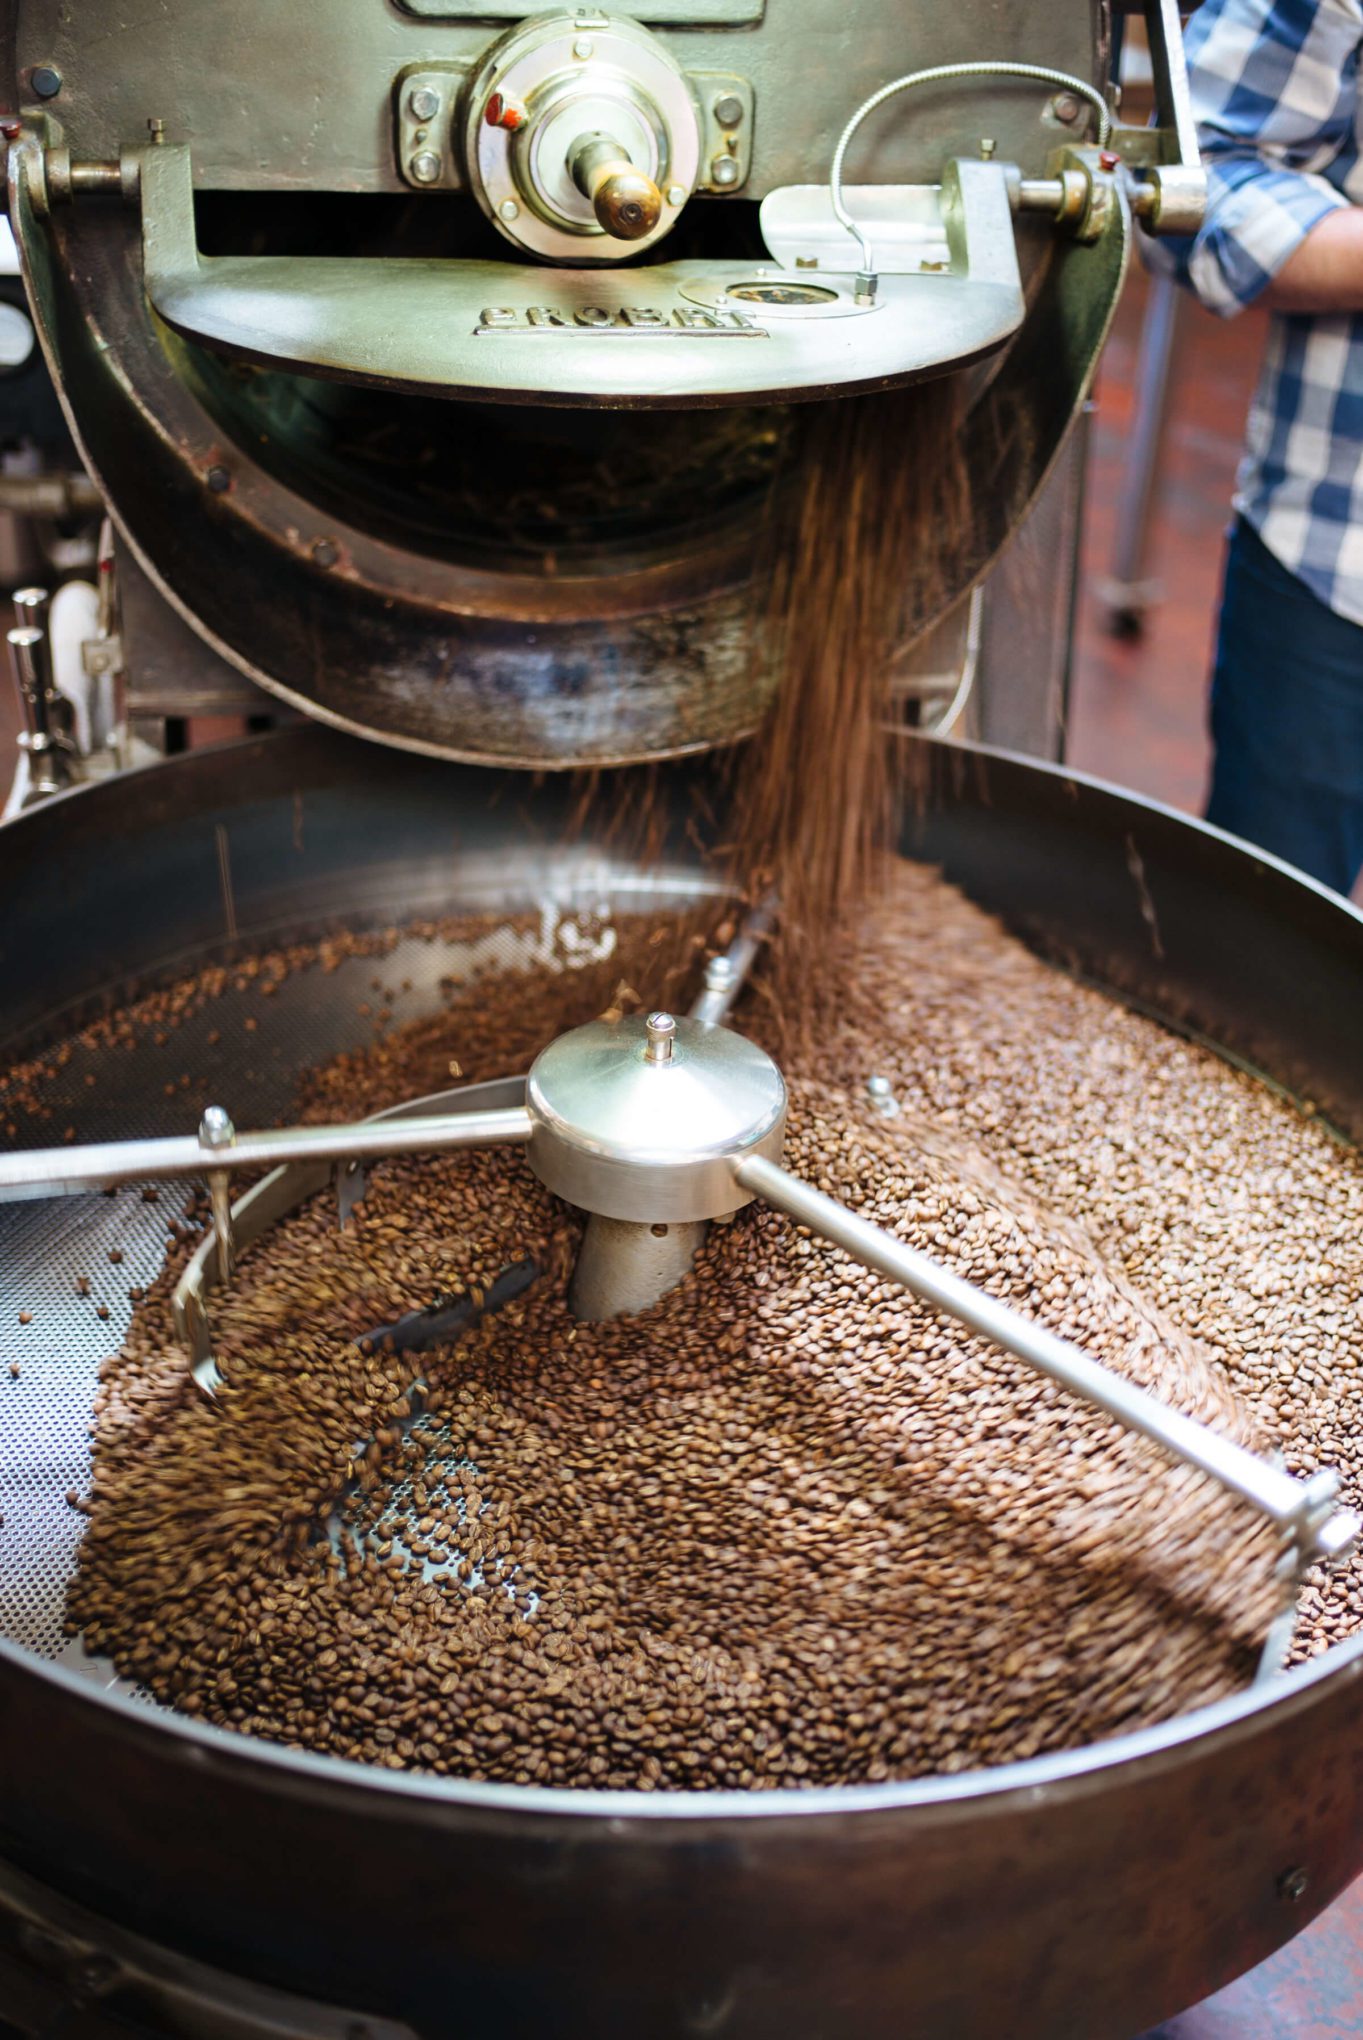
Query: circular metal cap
619, 82
619, 1129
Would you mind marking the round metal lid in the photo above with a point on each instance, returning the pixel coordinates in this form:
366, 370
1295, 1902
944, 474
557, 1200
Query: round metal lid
643, 1118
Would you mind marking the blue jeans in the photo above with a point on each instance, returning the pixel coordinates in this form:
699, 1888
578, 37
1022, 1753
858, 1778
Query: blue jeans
1287, 718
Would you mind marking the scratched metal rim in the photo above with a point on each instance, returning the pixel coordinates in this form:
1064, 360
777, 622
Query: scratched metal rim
1044, 1778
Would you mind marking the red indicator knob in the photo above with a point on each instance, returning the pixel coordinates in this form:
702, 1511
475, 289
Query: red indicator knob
501, 112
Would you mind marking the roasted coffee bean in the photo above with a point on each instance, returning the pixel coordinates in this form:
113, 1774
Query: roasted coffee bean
788, 1527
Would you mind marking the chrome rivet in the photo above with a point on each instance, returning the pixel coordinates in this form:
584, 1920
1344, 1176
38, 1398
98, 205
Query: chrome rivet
661, 1031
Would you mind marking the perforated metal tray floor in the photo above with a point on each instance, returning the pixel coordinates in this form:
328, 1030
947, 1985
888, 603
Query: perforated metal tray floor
108, 1093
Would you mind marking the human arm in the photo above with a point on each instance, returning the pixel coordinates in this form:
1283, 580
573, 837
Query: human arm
1274, 89
1324, 273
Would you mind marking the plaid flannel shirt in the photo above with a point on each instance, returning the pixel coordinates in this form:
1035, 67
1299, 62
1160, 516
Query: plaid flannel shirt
1275, 93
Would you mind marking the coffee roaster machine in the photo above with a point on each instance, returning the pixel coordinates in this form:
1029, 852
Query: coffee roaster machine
436, 364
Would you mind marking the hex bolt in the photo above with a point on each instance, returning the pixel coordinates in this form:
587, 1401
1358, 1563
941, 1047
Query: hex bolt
425, 166
728, 109
724, 170
1066, 107
676, 194
423, 103
97, 1974
508, 210
325, 552
46, 81
661, 1030
582, 48
880, 1091
216, 1132
157, 130
215, 1128
987, 148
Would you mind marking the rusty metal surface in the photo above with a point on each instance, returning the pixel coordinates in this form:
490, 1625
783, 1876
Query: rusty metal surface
300, 97
1080, 1897
648, 659
1310, 1990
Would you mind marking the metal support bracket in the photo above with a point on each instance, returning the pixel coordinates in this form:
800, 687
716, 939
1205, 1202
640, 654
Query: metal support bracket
427, 124
1167, 184
675, 334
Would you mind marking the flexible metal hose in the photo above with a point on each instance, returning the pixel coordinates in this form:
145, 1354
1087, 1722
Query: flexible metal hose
941, 74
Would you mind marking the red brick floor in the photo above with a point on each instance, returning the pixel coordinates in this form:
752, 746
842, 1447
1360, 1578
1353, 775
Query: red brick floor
1137, 709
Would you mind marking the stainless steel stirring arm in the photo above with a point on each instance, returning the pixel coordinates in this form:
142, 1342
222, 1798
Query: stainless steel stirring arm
655, 1126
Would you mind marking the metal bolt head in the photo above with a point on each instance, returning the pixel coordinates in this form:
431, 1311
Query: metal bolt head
582, 48
97, 1974
46, 81
156, 129
508, 209
422, 103
719, 974
1066, 107
880, 1091
728, 109
987, 147
724, 170
325, 552
1292, 1885
676, 194
219, 480
425, 166
660, 1030
215, 1128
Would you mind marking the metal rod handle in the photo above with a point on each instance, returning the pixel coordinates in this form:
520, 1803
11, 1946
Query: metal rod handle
726, 974
58, 1172
1302, 1510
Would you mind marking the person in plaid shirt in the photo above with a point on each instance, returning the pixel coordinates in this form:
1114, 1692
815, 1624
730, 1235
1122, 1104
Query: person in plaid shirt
1276, 94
